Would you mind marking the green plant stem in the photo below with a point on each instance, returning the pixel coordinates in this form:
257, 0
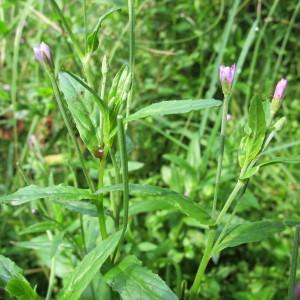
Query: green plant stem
99, 203
51, 279
100, 206
116, 199
229, 201
203, 264
85, 25
67, 28
221, 150
131, 15
294, 260
211, 237
124, 165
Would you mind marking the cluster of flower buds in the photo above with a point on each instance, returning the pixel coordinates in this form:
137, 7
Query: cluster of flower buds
227, 77
43, 54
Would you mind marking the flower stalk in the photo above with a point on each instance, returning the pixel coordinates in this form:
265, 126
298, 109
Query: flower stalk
226, 78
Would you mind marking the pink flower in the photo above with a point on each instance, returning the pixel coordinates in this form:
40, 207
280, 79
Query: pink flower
278, 95
42, 53
226, 77
280, 89
227, 74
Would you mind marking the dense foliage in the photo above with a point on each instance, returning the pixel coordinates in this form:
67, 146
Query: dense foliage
108, 185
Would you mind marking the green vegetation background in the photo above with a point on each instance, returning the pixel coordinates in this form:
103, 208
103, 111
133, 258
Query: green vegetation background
179, 46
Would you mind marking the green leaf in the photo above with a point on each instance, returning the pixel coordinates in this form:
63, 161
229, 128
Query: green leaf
248, 233
255, 132
280, 160
12, 280
8, 270
175, 200
147, 205
84, 208
88, 268
173, 107
59, 192
19, 288
39, 227
92, 39
134, 282
82, 107
249, 173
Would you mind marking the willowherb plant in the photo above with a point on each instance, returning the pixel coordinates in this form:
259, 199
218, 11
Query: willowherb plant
100, 114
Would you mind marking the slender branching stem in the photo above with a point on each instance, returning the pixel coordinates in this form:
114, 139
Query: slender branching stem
221, 151
124, 165
99, 204
51, 279
203, 264
85, 25
116, 199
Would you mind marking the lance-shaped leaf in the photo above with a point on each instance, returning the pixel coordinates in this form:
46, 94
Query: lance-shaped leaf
252, 143
92, 39
173, 107
134, 282
57, 192
173, 199
87, 269
280, 160
83, 109
249, 233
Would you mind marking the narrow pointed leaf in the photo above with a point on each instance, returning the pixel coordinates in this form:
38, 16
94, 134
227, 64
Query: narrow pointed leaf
82, 108
173, 199
249, 233
58, 192
134, 282
88, 268
173, 107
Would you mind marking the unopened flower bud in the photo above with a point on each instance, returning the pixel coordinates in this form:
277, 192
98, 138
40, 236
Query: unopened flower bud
43, 54
227, 77
278, 95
